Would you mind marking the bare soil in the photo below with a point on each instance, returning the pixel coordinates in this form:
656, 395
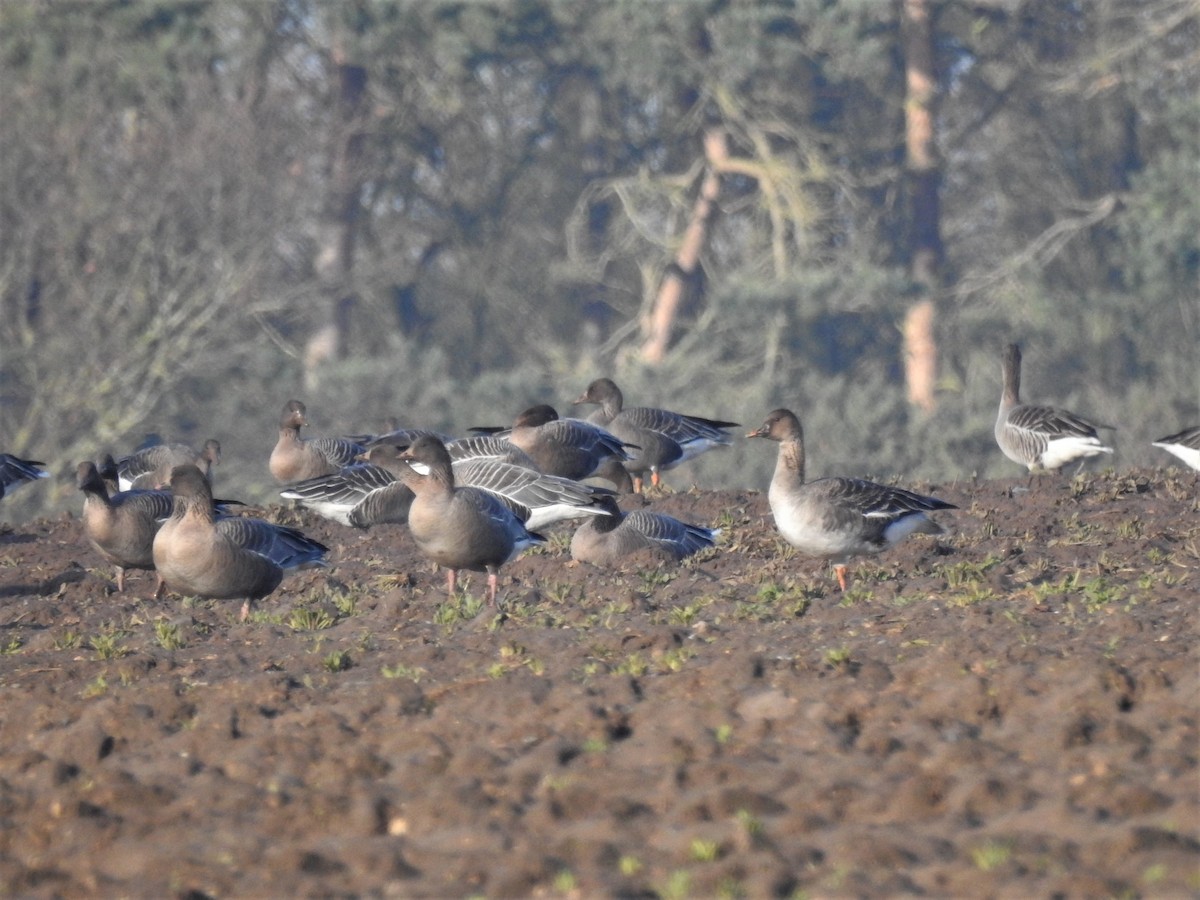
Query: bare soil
1010, 710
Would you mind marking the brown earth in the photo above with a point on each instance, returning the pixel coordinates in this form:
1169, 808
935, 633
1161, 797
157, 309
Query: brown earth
1011, 710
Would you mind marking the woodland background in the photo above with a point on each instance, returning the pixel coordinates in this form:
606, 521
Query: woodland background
436, 214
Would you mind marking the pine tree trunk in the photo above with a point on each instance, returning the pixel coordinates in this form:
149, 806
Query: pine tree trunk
924, 176
661, 320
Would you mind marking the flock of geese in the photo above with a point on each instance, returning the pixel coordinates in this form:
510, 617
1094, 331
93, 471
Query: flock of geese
474, 503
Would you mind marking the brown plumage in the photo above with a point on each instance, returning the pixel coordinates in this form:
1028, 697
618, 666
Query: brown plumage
121, 527
224, 557
297, 459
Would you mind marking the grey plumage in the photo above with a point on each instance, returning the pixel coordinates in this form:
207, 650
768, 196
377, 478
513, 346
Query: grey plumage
295, 458
149, 468
837, 518
15, 472
607, 540
1040, 437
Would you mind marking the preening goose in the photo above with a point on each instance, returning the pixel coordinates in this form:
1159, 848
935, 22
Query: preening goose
607, 540
15, 472
664, 438
150, 468
459, 527
837, 518
199, 553
1040, 437
295, 458
1185, 445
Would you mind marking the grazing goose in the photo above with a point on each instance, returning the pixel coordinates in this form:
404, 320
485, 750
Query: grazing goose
296, 459
15, 471
150, 467
122, 526
837, 518
201, 554
665, 438
460, 527
569, 448
361, 495
1185, 445
537, 499
607, 540
1040, 437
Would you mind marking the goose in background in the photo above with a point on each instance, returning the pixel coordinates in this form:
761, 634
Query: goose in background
459, 527
837, 518
569, 448
608, 539
199, 553
1040, 437
664, 438
1184, 444
149, 468
296, 459
15, 472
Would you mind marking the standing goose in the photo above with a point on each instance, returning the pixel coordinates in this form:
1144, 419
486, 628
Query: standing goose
296, 459
837, 518
15, 471
1040, 437
460, 527
199, 553
150, 468
122, 526
1185, 445
607, 540
665, 438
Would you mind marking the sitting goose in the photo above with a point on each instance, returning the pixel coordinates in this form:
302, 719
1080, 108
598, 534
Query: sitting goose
459, 527
1185, 445
199, 553
121, 525
15, 471
607, 540
296, 459
837, 518
150, 467
1040, 437
665, 438
569, 448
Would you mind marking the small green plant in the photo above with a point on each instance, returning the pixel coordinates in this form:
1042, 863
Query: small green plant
564, 881
749, 822
629, 865
837, 656
95, 687
678, 886
167, 635
108, 646
304, 618
655, 578
991, 855
400, 670
704, 850
337, 661
11, 646
633, 665
461, 608
68, 640
723, 733
346, 604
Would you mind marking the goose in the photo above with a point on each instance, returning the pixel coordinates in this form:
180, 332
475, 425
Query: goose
296, 459
837, 518
489, 447
150, 467
15, 472
1040, 437
199, 553
460, 527
538, 499
121, 525
569, 448
1185, 445
607, 540
665, 438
